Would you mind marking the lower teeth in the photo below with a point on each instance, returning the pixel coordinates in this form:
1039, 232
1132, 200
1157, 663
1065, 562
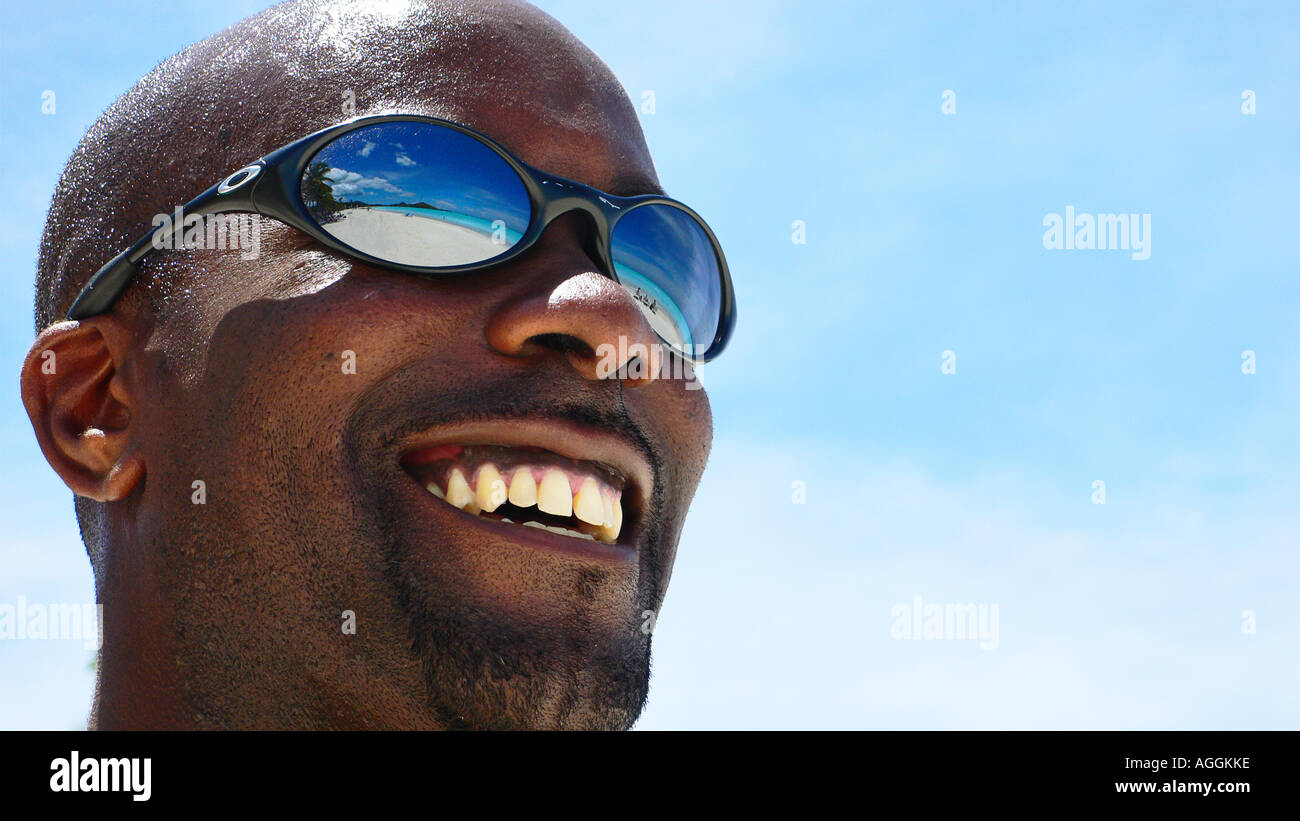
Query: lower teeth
563, 531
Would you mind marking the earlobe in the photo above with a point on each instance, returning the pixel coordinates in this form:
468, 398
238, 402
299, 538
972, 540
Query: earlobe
80, 406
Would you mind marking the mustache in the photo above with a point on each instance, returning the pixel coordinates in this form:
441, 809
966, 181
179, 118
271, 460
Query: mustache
517, 399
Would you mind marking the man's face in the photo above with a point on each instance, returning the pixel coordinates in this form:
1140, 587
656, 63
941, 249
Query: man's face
320, 583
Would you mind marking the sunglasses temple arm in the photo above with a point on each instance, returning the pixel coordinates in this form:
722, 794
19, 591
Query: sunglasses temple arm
107, 284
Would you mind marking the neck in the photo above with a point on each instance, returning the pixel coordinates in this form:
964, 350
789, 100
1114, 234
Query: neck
139, 683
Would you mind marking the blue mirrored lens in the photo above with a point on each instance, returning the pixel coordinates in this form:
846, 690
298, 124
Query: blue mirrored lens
416, 194
663, 257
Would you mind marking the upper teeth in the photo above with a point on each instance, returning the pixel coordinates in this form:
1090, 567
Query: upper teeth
553, 494
491, 489
592, 503
523, 489
587, 505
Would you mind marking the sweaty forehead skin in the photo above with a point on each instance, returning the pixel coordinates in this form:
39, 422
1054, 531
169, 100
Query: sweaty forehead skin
505, 68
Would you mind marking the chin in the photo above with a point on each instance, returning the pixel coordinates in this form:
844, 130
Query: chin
523, 555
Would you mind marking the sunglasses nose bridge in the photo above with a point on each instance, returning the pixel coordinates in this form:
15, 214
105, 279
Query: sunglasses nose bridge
567, 203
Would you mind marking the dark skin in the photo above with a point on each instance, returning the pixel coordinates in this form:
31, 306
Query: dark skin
228, 614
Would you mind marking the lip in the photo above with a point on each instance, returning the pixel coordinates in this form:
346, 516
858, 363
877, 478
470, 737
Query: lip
564, 438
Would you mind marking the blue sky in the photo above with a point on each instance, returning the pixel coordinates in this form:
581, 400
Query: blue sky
924, 235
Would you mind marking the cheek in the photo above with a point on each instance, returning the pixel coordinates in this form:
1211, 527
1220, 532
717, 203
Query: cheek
696, 414
223, 289
265, 423
705, 409
314, 354
679, 417
290, 319
269, 390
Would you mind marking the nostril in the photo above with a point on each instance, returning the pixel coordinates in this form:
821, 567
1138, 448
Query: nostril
587, 319
565, 344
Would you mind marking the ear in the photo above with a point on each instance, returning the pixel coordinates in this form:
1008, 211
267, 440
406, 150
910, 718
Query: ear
80, 404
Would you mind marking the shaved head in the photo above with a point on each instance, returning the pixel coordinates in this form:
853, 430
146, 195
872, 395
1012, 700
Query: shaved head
302, 66
264, 555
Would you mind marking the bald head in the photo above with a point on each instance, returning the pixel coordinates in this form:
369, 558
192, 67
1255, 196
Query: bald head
506, 68
242, 432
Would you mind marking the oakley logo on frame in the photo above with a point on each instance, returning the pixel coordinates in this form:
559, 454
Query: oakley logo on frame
238, 178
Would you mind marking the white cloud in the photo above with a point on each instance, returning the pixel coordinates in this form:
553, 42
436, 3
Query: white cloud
349, 183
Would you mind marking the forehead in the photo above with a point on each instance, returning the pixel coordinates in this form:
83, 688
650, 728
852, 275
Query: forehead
508, 71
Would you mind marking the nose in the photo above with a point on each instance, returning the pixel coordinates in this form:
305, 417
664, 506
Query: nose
569, 307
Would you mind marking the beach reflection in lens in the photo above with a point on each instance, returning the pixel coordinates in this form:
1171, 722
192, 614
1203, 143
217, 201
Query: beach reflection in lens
416, 194
666, 262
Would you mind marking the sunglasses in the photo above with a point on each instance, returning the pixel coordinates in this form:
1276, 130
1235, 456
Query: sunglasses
431, 197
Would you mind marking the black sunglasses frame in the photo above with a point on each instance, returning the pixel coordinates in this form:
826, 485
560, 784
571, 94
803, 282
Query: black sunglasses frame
270, 187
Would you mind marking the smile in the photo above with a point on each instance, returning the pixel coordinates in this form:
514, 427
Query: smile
526, 484
531, 487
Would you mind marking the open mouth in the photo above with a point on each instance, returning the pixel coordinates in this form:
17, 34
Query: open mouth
524, 486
